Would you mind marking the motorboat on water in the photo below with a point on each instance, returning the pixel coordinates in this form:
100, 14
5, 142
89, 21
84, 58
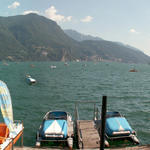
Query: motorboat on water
30, 80
56, 126
53, 67
117, 127
66, 64
133, 70
10, 130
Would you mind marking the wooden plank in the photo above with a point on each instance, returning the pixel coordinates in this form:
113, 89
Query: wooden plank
146, 147
87, 134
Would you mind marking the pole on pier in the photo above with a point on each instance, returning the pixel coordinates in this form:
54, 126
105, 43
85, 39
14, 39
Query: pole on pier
12, 142
22, 140
103, 120
22, 137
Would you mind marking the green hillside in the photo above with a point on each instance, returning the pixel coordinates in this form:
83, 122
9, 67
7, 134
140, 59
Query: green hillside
35, 38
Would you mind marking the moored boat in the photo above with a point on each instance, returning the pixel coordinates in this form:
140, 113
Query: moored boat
66, 64
117, 127
133, 70
56, 126
11, 130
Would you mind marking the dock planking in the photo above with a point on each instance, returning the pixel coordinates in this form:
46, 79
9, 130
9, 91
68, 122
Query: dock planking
88, 136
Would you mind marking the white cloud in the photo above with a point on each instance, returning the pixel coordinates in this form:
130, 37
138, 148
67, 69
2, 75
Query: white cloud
133, 31
69, 18
87, 19
14, 5
30, 11
51, 13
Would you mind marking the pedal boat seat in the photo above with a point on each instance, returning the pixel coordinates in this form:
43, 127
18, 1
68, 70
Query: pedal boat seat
4, 132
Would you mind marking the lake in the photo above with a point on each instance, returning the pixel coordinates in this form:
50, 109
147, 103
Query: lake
59, 89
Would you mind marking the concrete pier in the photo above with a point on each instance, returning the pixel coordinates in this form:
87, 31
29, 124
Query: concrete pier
146, 147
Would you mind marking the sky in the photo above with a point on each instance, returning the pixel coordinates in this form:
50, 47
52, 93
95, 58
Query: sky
125, 21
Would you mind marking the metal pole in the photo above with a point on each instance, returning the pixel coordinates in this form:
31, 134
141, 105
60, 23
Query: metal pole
97, 113
103, 120
22, 140
94, 117
22, 137
75, 112
12, 144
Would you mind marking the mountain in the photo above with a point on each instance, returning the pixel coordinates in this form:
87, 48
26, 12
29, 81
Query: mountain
80, 37
106, 50
35, 38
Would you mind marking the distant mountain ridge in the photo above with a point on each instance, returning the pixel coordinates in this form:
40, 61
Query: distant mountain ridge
80, 37
35, 38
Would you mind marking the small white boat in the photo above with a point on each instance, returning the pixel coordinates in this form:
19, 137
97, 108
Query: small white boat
30, 80
56, 126
10, 130
53, 67
5, 63
66, 64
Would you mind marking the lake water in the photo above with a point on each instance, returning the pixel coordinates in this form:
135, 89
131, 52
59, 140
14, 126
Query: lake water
59, 89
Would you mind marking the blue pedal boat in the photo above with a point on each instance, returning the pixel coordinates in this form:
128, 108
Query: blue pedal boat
56, 126
117, 127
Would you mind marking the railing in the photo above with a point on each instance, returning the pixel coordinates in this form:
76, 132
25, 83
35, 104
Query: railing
96, 116
20, 134
97, 113
76, 113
